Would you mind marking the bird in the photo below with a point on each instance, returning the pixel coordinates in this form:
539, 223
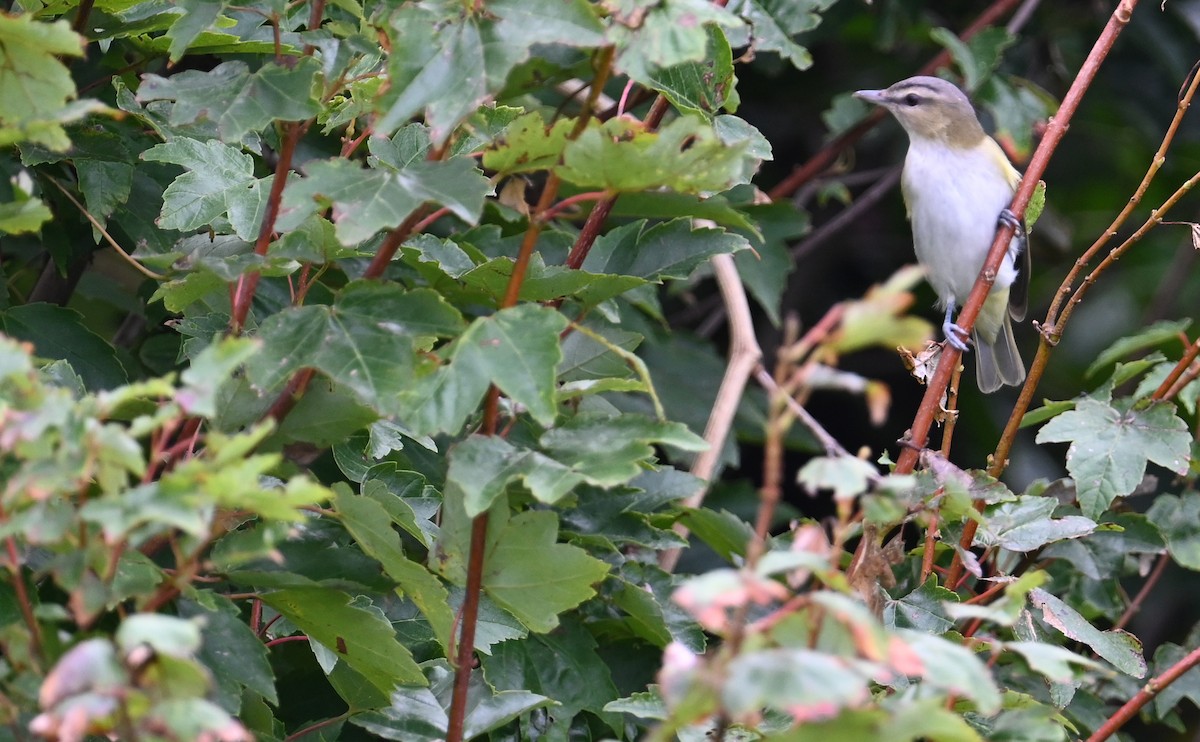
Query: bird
957, 185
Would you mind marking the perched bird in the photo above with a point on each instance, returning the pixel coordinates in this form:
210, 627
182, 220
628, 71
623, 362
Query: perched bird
957, 184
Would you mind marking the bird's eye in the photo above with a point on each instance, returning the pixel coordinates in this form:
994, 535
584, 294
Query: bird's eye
912, 99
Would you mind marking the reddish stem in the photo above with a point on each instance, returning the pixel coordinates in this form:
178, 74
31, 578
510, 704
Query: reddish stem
243, 294
1144, 696
1055, 132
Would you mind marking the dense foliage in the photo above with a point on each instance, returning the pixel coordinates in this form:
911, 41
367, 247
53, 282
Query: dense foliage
358, 380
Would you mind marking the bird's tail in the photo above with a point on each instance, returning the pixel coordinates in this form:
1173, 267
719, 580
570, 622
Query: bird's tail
997, 362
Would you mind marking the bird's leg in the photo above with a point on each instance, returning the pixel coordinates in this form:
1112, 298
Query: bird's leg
955, 335
1009, 219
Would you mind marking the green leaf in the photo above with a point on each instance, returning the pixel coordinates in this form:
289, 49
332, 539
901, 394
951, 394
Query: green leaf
365, 341
953, 668
1178, 520
922, 609
533, 577
236, 100
231, 650
34, 85
197, 16
704, 87
371, 526
1055, 663
979, 56
420, 714
775, 22
650, 36
1026, 524
368, 200
26, 215
547, 283
218, 177
686, 155
800, 681
527, 144
609, 451
1150, 337
361, 638
669, 250
209, 371
517, 349
564, 666
60, 333
470, 54
1110, 447
1120, 648
482, 466
846, 476
1185, 686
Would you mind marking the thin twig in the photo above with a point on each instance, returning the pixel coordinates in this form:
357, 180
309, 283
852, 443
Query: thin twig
104, 233
1152, 579
744, 355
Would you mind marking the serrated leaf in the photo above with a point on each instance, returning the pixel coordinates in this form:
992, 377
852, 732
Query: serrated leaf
609, 451
482, 466
197, 16
1027, 524
704, 87
1178, 520
371, 526
517, 349
366, 200
1120, 648
218, 176
361, 638
527, 144
470, 54
531, 576
922, 609
565, 666
686, 155
775, 22
420, 714
364, 341
669, 250
34, 85
1110, 447
650, 36
236, 100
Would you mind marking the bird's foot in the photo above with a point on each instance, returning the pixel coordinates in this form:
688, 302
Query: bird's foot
1008, 219
956, 336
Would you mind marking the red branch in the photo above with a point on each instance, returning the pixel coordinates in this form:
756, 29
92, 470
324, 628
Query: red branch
1144, 696
1055, 132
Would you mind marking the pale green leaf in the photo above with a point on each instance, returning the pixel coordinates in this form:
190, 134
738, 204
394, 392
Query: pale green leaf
1120, 648
531, 576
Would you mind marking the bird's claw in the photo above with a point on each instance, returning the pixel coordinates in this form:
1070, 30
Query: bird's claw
956, 336
1008, 219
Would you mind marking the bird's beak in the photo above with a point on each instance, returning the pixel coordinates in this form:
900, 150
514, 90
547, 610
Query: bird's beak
871, 96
